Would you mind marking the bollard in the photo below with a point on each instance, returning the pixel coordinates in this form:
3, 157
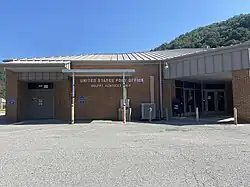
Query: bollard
124, 114
197, 114
235, 116
167, 114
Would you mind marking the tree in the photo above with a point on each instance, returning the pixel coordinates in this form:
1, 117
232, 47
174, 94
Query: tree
230, 32
2, 85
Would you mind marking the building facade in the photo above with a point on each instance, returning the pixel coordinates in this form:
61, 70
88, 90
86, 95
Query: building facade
214, 80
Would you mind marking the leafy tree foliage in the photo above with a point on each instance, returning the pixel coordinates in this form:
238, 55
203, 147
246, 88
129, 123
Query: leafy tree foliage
230, 32
2, 85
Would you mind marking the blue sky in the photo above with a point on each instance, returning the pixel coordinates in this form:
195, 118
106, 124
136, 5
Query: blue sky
31, 28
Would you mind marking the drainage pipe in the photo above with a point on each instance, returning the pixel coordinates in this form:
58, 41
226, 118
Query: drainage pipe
160, 89
73, 100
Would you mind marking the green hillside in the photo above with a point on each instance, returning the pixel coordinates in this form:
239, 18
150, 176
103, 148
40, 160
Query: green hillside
230, 32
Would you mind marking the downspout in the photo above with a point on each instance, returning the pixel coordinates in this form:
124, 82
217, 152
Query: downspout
73, 100
161, 92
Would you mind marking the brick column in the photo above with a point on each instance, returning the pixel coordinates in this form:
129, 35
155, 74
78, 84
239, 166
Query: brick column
241, 93
22, 106
11, 94
168, 95
229, 97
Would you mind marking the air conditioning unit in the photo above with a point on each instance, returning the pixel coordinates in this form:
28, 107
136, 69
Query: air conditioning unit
121, 114
127, 102
148, 111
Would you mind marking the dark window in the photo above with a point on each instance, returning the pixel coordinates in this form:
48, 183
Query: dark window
179, 96
32, 86
198, 100
179, 93
197, 86
188, 85
178, 83
214, 86
189, 100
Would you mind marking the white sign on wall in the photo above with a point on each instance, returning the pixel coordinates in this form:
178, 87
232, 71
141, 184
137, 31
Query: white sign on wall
110, 82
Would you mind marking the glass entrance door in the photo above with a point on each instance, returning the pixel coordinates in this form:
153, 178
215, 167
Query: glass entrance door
210, 101
221, 101
214, 101
189, 101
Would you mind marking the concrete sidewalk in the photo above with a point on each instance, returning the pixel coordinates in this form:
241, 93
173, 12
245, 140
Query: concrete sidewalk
192, 121
179, 121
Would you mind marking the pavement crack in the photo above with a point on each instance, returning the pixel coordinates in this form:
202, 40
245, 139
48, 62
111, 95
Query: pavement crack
214, 180
193, 162
193, 172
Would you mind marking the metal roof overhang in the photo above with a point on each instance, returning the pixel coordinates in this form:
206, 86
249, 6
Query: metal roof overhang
99, 72
34, 66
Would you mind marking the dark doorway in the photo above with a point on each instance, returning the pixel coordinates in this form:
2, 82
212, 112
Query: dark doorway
221, 101
210, 101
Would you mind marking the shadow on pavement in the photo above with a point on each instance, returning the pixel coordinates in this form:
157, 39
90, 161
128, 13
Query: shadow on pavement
4, 121
192, 121
181, 121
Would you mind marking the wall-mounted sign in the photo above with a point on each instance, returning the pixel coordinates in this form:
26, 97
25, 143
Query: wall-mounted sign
110, 82
40, 86
81, 100
12, 101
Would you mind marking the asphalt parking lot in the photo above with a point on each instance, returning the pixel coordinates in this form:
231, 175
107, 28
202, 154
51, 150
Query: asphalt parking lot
110, 154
